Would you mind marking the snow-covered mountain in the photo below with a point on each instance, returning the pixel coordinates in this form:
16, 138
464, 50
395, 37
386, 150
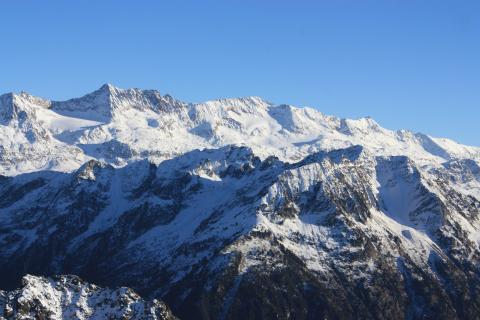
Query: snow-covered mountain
120, 126
239, 208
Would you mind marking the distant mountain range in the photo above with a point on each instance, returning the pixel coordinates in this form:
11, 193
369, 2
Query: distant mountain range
230, 209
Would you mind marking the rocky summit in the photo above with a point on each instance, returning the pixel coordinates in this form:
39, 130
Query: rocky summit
230, 209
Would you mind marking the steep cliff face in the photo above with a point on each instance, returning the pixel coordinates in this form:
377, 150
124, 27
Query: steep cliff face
318, 218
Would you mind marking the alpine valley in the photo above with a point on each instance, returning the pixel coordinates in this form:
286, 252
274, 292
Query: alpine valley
129, 204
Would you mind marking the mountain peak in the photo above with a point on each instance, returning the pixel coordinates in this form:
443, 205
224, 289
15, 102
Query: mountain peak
14, 104
93, 106
108, 101
109, 88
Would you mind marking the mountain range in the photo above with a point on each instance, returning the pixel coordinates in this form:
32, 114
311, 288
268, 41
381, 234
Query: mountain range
230, 209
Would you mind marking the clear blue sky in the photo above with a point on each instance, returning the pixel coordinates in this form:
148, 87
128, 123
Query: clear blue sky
408, 64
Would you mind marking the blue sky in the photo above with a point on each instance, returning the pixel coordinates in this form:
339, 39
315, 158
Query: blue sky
407, 64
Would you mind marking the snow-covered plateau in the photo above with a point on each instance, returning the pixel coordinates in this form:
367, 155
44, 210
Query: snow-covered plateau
230, 209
